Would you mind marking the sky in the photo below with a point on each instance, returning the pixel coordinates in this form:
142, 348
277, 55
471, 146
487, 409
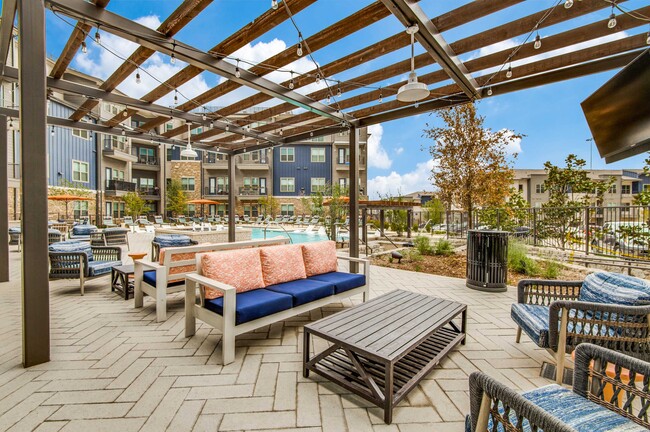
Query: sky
550, 117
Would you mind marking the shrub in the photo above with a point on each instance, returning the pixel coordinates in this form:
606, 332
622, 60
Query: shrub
423, 245
519, 261
552, 270
443, 247
413, 255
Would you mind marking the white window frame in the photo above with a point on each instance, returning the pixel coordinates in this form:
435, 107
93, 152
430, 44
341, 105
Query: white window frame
185, 187
287, 154
318, 187
318, 155
80, 132
287, 184
81, 163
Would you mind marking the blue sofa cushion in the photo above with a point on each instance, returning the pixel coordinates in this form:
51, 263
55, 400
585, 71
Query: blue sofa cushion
150, 278
342, 281
533, 320
606, 287
96, 268
304, 290
172, 240
573, 410
254, 304
72, 246
83, 230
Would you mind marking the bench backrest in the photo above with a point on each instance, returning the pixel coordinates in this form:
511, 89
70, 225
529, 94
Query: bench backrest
179, 261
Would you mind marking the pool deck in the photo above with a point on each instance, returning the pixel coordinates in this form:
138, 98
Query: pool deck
114, 368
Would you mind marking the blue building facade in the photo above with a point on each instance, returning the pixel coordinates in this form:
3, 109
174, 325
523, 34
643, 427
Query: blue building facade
301, 169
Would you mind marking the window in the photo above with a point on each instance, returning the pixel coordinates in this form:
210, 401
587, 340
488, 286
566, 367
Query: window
343, 183
287, 154
287, 184
80, 133
169, 126
147, 156
146, 183
222, 184
317, 184
344, 156
521, 188
539, 188
287, 209
191, 209
626, 189
318, 154
318, 139
612, 189
80, 209
646, 187
187, 183
197, 130
80, 171
170, 154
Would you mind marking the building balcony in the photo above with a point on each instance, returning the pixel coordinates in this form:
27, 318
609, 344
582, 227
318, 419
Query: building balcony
120, 150
345, 166
211, 162
214, 192
149, 193
253, 164
119, 187
147, 163
252, 191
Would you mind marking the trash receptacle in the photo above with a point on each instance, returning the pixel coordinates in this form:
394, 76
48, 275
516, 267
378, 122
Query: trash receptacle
487, 260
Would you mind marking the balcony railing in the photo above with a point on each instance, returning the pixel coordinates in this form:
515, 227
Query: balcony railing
252, 190
112, 144
147, 160
215, 191
212, 159
120, 185
151, 191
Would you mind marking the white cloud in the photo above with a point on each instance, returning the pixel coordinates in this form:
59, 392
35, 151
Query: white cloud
377, 155
399, 150
514, 143
395, 183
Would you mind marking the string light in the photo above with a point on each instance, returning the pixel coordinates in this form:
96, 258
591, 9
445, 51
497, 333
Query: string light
98, 38
338, 90
381, 97
124, 114
299, 50
175, 97
612, 19
172, 60
274, 4
291, 82
11, 123
204, 117
52, 131
281, 132
317, 78
227, 128
311, 133
237, 72
123, 132
509, 72
538, 42
489, 91
212, 124
329, 99
568, 4
138, 80
84, 47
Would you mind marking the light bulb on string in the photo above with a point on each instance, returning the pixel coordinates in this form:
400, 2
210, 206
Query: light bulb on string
281, 132
138, 80
538, 42
84, 47
175, 97
98, 38
489, 91
291, 82
172, 60
204, 117
211, 124
299, 49
123, 132
568, 4
227, 128
612, 19
317, 78
124, 113
274, 4
417, 104
329, 99
311, 133
381, 97
338, 90
647, 40
509, 72
52, 131
237, 72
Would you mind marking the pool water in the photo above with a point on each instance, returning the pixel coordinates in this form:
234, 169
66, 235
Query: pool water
296, 237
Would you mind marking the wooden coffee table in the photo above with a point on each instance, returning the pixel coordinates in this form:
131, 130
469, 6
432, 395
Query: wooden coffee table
381, 349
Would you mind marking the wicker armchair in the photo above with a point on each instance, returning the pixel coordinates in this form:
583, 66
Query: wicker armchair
604, 309
79, 260
610, 392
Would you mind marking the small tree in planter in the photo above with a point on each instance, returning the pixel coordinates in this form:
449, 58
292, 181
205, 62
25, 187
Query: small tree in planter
176, 198
134, 204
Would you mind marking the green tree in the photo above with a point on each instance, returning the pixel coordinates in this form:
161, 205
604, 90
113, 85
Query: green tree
134, 204
435, 210
176, 198
270, 205
643, 197
473, 165
332, 205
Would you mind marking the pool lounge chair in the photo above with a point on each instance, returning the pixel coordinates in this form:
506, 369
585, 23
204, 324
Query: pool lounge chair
158, 220
108, 222
298, 221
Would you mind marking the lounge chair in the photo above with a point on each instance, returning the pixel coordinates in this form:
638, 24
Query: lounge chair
605, 397
291, 220
54, 236
237, 219
128, 221
314, 220
158, 220
259, 220
169, 240
298, 221
285, 219
278, 219
107, 221
247, 219
143, 221
110, 237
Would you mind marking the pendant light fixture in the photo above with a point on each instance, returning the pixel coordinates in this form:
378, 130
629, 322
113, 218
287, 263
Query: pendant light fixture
413, 90
188, 151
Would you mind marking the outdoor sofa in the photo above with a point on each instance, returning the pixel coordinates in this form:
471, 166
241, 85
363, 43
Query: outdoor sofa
603, 398
165, 276
74, 259
240, 291
606, 309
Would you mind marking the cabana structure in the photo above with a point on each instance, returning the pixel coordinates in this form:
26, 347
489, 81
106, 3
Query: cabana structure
439, 80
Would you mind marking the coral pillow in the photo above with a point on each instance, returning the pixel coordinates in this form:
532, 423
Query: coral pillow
178, 257
282, 264
240, 268
320, 257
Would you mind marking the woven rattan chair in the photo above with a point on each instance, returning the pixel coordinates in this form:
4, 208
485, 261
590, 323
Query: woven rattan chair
610, 393
606, 309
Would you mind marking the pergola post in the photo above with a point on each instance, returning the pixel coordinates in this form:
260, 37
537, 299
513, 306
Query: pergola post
231, 198
354, 197
382, 221
4, 207
409, 222
33, 142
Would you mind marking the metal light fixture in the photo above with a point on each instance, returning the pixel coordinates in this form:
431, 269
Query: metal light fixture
413, 90
188, 151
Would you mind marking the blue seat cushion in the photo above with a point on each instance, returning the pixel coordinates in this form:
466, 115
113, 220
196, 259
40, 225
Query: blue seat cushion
533, 320
615, 288
172, 240
342, 281
83, 230
150, 278
115, 230
254, 304
72, 246
304, 290
96, 268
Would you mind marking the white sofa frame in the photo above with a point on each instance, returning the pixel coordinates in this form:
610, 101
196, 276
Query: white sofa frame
160, 292
226, 323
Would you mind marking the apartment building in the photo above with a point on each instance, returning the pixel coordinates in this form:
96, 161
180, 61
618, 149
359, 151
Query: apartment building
627, 183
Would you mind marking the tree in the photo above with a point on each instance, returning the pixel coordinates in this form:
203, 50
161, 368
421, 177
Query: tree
336, 208
643, 197
435, 210
270, 205
134, 204
176, 198
473, 168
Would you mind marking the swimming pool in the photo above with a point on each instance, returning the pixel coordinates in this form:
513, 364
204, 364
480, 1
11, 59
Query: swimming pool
296, 237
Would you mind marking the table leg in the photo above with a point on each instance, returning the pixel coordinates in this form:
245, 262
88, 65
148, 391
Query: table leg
113, 280
126, 287
388, 394
305, 352
463, 327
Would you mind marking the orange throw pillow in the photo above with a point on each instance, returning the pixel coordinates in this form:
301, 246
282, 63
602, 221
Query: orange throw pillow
180, 269
320, 257
240, 268
282, 264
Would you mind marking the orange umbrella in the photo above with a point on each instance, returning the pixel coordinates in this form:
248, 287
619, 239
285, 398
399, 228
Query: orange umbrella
67, 198
202, 201
342, 199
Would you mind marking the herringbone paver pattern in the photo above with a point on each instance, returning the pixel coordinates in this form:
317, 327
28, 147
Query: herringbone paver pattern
114, 368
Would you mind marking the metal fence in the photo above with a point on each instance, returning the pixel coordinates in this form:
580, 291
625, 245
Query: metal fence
614, 231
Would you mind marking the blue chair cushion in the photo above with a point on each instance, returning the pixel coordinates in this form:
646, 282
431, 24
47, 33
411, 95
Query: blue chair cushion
172, 240
83, 230
533, 320
96, 268
72, 246
342, 281
115, 230
254, 304
304, 290
615, 288
53, 231
150, 278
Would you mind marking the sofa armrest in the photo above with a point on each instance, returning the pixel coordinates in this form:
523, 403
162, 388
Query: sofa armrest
68, 263
623, 328
365, 262
107, 253
147, 265
203, 282
544, 292
489, 399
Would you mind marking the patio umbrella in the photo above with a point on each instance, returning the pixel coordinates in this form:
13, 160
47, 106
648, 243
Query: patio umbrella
342, 199
202, 202
67, 198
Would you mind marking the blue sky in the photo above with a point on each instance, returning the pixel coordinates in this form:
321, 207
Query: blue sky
549, 116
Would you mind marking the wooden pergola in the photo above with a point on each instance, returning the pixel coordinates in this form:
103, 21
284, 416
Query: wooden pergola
365, 99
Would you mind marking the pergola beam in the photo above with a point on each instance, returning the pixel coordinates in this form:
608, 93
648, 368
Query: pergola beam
409, 13
7, 28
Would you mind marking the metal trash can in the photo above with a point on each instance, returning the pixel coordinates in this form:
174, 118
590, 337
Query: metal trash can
487, 260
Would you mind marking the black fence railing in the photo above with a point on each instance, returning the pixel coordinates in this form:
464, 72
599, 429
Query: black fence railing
120, 185
147, 160
613, 230
215, 191
149, 191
